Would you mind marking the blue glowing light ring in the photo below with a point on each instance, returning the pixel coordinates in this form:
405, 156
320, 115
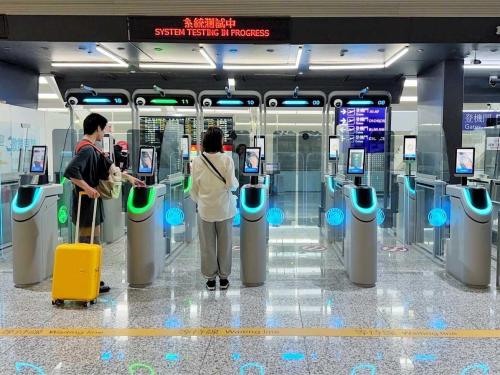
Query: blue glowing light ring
368, 210
237, 219
437, 217
253, 210
480, 211
174, 216
244, 368
329, 182
408, 187
22, 210
380, 216
369, 366
476, 366
275, 216
335, 216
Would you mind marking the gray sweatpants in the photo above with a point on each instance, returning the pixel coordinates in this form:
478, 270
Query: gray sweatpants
216, 246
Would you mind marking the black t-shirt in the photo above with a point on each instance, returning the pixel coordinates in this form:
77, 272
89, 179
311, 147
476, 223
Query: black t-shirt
91, 166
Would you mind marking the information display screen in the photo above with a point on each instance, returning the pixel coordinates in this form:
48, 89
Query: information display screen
38, 160
366, 126
252, 161
356, 161
272, 168
464, 162
146, 161
107, 144
185, 147
410, 148
333, 147
260, 142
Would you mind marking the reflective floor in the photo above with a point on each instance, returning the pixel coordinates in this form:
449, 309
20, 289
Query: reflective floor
306, 288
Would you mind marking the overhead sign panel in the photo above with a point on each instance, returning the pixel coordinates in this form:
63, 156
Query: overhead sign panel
233, 101
296, 102
212, 28
97, 100
167, 100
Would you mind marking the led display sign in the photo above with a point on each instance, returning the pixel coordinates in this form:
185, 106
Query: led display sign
211, 28
100, 99
233, 101
298, 102
167, 100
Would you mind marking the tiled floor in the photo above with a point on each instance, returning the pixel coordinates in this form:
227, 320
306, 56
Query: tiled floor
306, 287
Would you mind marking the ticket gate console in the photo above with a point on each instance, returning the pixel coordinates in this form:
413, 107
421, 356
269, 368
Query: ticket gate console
34, 232
468, 250
253, 234
146, 243
360, 243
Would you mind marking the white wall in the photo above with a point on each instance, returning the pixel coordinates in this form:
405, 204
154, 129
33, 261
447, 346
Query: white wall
23, 127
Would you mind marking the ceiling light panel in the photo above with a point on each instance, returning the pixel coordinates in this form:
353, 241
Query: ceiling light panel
361, 66
115, 61
289, 66
209, 63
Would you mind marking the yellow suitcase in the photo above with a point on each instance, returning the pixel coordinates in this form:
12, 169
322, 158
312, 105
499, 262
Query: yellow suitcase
77, 268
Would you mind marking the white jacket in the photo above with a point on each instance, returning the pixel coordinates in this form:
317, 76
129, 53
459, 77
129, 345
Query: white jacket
214, 198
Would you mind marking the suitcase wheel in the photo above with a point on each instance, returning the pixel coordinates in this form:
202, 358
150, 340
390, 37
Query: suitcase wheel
93, 302
57, 302
85, 304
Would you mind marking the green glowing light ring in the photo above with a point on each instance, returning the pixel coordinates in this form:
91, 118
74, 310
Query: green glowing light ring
132, 369
187, 189
140, 210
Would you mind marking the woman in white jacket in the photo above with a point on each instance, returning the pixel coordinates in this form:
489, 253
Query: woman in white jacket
213, 182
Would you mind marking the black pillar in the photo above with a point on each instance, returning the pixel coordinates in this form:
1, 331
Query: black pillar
18, 86
440, 107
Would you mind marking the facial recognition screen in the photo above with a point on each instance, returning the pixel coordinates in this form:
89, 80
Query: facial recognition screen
252, 161
146, 161
38, 159
410, 148
464, 162
106, 144
185, 146
260, 142
356, 161
333, 148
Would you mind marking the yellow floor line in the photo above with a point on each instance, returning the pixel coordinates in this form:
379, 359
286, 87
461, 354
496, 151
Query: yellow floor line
249, 332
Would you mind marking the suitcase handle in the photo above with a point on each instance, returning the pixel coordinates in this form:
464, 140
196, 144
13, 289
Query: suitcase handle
77, 229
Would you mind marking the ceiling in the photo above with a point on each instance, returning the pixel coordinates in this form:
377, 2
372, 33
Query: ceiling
274, 65
294, 8
39, 56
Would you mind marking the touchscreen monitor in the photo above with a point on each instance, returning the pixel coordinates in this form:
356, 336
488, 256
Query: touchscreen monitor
185, 146
410, 147
356, 161
146, 161
260, 142
38, 160
464, 162
333, 147
251, 165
